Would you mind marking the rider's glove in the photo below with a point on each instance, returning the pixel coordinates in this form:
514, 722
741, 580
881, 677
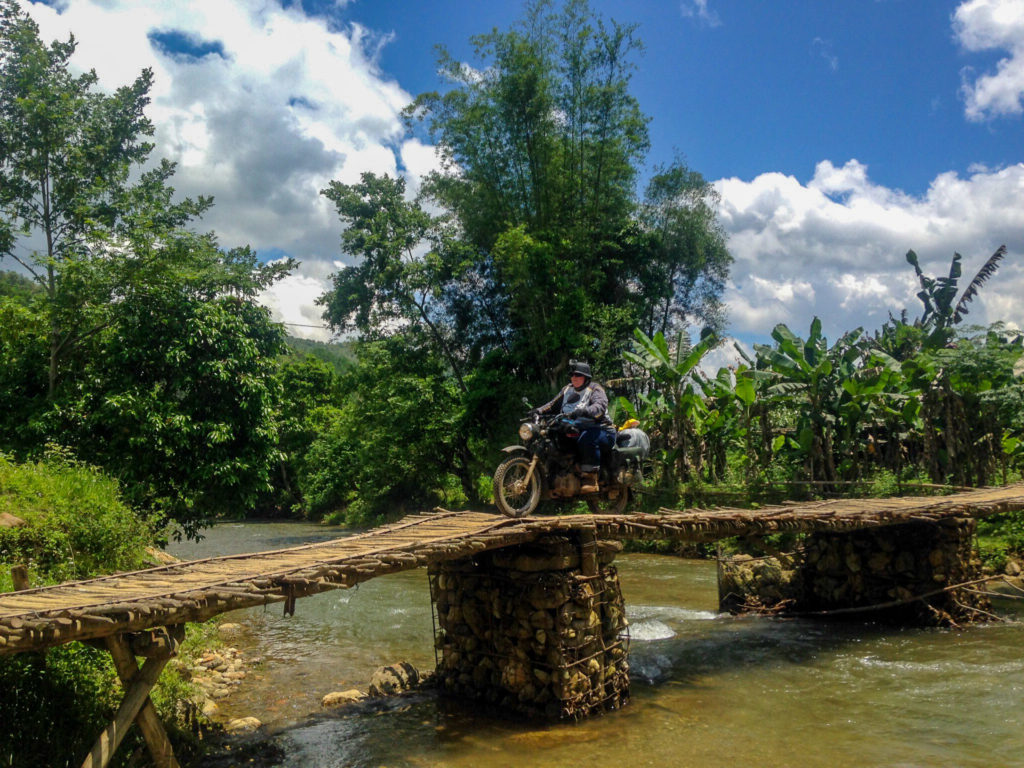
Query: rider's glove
579, 411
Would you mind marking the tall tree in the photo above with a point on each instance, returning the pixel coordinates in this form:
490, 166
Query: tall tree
942, 308
541, 144
543, 250
689, 263
395, 283
178, 394
69, 210
145, 349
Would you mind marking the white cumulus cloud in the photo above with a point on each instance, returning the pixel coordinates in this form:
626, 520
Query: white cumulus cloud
270, 105
698, 9
292, 300
835, 246
993, 25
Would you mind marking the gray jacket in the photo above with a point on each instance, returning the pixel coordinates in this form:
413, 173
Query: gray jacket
588, 405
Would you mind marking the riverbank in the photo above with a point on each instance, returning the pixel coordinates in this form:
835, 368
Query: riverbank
801, 692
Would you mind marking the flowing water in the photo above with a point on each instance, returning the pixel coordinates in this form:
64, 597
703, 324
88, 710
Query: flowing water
707, 690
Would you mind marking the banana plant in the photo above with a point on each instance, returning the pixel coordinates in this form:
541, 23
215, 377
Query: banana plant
675, 399
808, 375
942, 308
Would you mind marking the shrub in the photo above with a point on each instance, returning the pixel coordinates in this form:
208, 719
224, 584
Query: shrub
77, 525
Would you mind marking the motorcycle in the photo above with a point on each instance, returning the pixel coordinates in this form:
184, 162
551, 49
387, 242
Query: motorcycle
544, 467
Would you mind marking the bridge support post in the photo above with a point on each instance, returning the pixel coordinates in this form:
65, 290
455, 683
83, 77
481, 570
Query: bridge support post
915, 573
537, 629
136, 705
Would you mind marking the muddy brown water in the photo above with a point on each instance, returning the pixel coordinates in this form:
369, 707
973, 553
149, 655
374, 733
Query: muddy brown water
708, 690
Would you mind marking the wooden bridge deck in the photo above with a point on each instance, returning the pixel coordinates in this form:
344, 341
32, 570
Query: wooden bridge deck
195, 591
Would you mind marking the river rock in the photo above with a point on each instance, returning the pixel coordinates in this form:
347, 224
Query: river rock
341, 698
243, 725
392, 679
160, 557
229, 629
7, 520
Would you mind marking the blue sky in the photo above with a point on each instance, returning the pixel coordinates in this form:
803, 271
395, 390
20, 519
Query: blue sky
839, 134
764, 86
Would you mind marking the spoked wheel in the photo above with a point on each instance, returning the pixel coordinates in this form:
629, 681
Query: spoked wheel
601, 504
513, 495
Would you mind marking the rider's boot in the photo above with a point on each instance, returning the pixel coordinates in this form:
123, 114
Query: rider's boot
589, 482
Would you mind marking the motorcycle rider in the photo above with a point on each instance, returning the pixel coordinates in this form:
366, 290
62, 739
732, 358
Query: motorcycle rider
586, 403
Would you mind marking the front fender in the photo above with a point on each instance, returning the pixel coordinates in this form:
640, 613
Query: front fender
514, 449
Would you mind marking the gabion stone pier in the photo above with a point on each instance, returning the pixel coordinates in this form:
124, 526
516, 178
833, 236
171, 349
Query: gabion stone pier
914, 573
538, 629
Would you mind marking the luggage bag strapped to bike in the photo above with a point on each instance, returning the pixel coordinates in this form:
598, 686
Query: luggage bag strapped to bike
632, 443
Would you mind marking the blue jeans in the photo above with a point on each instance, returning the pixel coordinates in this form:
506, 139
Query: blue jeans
591, 442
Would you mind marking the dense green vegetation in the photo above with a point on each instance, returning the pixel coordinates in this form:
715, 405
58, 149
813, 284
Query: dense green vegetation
137, 344
76, 525
143, 384
544, 252
140, 345
917, 398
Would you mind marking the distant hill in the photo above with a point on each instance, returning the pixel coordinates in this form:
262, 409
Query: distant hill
341, 356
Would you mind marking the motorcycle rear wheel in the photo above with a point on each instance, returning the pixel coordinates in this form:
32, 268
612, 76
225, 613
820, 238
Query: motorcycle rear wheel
600, 504
512, 496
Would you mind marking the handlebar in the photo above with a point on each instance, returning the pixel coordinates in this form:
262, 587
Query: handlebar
551, 418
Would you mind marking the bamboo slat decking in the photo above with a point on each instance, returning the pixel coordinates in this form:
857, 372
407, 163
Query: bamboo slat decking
195, 591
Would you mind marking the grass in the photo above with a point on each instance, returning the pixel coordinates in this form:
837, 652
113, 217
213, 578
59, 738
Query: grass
76, 526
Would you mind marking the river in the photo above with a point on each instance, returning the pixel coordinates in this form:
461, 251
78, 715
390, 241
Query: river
708, 690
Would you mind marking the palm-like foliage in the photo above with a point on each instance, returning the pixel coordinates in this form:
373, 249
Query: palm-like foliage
810, 410
942, 308
674, 402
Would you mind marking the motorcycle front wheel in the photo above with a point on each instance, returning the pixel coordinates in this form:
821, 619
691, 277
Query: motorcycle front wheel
602, 505
513, 496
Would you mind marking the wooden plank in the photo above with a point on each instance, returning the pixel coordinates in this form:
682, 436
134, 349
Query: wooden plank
200, 589
135, 697
149, 722
19, 575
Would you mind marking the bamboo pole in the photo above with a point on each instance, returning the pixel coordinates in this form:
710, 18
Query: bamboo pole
149, 722
135, 697
19, 575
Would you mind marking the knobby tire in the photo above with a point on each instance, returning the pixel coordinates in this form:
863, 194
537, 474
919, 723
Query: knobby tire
510, 503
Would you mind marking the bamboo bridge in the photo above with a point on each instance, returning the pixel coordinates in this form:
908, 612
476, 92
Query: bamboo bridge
142, 613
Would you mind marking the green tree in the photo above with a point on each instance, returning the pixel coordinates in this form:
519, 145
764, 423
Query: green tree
69, 211
392, 287
674, 404
178, 395
543, 250
943, 307
22, 361
810, 375
17, 287
545, 134
948, 425
689, 262
391, 445
542, 143
144, 348
970, 406
309, 386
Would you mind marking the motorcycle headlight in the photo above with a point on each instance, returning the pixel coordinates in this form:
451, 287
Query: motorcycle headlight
525, 432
